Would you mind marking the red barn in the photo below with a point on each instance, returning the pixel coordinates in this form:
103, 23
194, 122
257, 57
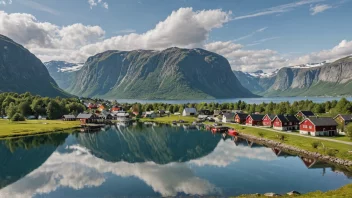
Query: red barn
268, 120
285, 122
240, 118
254, 120
318, 126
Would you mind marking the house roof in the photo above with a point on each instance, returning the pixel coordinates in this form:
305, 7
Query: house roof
190, 110
257, 116
242, 115
307, 113
84, 116
68, 116
322, 121
270, 116
345, 117
287, 118
122, 114
229, 115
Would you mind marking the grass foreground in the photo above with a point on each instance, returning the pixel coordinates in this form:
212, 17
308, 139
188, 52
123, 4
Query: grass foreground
345, 191
30, 127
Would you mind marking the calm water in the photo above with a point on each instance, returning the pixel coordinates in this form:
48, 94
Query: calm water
247, 100
153, 161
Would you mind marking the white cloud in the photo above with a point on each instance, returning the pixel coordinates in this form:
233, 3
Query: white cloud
80, 169
126, 31
93, 3
247, 60
319, 8
277, 9
5, 2
344, 48
251, 34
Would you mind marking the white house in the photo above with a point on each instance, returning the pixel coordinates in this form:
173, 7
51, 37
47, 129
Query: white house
189, 112
123, 117
150, 114
228, 117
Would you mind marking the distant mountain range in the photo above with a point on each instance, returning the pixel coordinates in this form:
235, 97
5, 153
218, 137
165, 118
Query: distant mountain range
63, 72
173, 73
317, 79
21, 71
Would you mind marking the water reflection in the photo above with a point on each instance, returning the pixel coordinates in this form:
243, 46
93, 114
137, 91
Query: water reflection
155, 161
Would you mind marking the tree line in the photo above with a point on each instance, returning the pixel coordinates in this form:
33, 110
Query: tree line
19, 106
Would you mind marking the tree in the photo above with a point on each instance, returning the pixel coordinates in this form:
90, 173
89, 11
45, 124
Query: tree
349, 130
18, 117
11, 110
24, 108
53, 110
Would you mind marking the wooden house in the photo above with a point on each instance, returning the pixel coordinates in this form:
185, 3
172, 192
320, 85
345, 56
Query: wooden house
254, 120
68, 118
228, 117
92, 106
285, 122
240, 118
150, 114
344, 120
304, 114
318, 126
189, 112
268, 120
87, 118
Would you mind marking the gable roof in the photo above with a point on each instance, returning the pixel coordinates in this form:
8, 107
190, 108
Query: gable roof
68, 116
256, 116
307, 113
229, 115
345, 117
322, 121
292, 118
84, 116
190, 110
242, 115
270, 116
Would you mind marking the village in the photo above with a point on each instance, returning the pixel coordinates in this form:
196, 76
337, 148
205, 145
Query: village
303, 122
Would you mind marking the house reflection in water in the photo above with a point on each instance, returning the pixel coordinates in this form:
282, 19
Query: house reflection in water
312, 163
281, 153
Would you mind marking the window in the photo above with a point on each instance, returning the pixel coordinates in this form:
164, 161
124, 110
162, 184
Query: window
310, 127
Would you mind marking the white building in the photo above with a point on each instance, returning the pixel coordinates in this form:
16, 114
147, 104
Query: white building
228, 117
189, 112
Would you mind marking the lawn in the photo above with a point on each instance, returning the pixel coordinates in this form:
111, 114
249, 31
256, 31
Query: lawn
342, 150
169, 119
8, 128
345, 191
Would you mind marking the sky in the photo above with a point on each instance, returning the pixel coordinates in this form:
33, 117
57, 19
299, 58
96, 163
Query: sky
251, 34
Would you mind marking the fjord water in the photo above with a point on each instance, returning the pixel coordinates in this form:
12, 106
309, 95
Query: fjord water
153, 161
230, 100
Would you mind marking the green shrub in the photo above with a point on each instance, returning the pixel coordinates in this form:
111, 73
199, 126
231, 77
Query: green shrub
315, 144
261, 134
332, 152
17, 117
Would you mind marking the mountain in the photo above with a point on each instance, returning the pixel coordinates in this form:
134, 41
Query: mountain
173, 73
314, 79
21, 71
63, 72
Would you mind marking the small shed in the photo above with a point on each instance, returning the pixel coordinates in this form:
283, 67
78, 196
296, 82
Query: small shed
68, 118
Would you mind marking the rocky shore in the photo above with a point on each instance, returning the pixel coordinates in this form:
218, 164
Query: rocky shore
295, 150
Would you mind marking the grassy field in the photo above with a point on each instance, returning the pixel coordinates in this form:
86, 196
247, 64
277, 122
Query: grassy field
29, 127
345, 191
169, 119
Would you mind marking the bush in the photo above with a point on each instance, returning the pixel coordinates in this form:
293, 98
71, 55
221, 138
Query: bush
332, 152
261, 134
17, 117
315, 144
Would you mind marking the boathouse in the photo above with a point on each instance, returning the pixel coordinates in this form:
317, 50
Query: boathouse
68, 118
268, 120
87, 118
285, 122
240, 118
254, 120
318, 126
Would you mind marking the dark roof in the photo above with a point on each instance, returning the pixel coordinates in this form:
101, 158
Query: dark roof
84, 116
69, 116
229, 115
270, 116
345, 117
282, 118
307, 113
291, 118
242, 115
257, 116
323, 121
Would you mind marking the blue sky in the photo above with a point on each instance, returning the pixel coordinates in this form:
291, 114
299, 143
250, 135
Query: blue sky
252, 34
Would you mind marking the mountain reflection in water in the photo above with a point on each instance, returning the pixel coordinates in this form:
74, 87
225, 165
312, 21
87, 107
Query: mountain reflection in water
156, 161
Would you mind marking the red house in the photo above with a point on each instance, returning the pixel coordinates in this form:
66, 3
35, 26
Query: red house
254, 120
92, 106
240, 118
285, 122
318, 126
87, 118
268, 120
